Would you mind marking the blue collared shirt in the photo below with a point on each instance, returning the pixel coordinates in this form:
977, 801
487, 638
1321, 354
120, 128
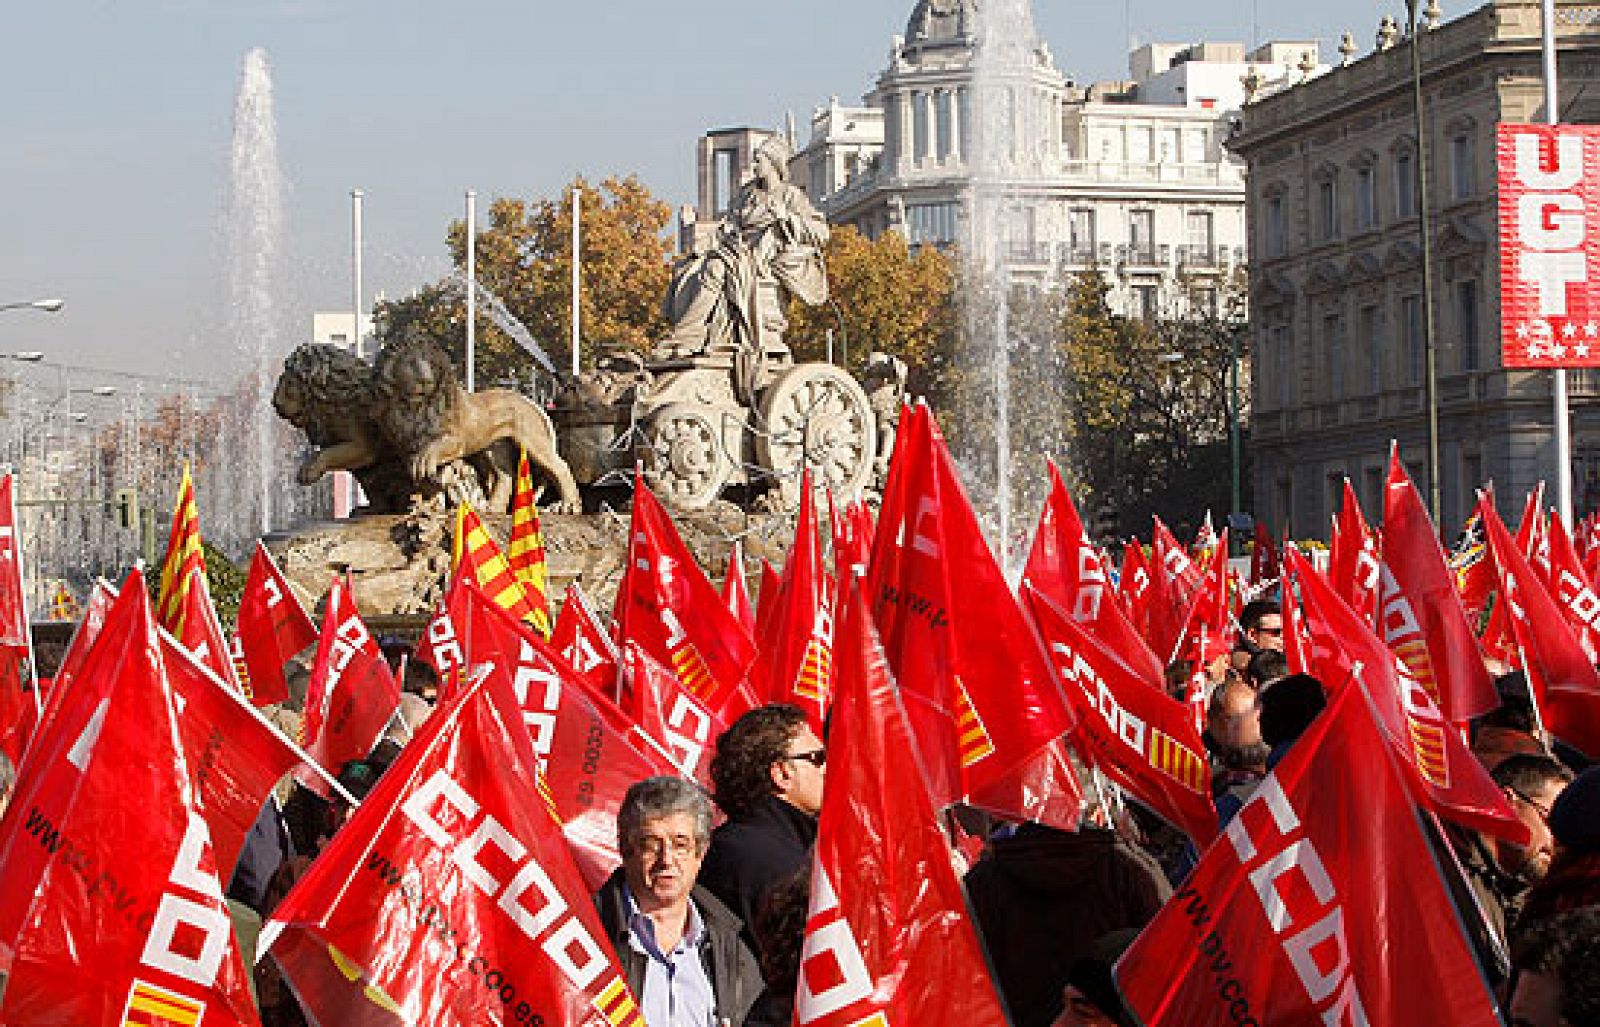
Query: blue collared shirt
677, 992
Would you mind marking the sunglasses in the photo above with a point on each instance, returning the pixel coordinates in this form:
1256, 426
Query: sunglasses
816, 757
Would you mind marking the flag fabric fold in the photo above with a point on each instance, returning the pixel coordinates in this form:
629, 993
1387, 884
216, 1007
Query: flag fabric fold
1318, 905
888, 937
271, 629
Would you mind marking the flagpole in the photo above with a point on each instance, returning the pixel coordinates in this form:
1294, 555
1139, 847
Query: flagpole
1561, 414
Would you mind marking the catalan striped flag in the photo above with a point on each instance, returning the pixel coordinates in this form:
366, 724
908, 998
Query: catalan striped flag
476, 554
183, 556
972, 742
149, 1005
525, 550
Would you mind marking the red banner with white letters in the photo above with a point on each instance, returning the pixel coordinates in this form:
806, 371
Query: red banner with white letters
1549, 245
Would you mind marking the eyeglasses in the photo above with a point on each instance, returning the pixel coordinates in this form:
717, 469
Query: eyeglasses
816, 757
653, 846
1270, 631
1538, 807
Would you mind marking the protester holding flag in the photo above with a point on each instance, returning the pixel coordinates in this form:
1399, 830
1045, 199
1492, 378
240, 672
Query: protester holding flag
679, 947
768, 774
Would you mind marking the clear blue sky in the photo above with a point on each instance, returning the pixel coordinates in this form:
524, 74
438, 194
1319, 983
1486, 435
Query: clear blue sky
117, 118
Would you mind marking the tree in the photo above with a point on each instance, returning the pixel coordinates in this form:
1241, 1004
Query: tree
1149, 409
524, 258
882, 296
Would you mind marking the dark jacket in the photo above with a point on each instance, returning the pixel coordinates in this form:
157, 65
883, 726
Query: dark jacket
1042, 897
735, 977
752, 852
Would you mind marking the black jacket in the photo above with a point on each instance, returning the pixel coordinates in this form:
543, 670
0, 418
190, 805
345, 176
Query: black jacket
1041, 897
735, 977
752, 852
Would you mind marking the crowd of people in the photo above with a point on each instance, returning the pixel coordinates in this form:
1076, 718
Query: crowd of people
707, 912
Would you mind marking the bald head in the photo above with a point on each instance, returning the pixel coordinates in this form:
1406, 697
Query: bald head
1234, 719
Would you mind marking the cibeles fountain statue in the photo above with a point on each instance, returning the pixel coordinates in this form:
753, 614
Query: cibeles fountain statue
720, 402
718, 415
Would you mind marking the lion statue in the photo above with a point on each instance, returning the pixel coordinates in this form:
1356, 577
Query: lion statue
406, 419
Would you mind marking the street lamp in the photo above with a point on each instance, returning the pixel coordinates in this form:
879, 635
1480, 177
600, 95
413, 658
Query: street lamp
49, 305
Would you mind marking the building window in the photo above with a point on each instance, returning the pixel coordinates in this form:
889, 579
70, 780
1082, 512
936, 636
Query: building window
1170, 154
1333, 345
1205, 301
1327, 208
1366, 198
1370, 326
1198, 229
1467, 324
1080, 234
941, 109
1284, 360
1140, 141
1411, 337
931, 223
1194, 150
1276, 240
1144, 302
1463, 176
724, 181
1405, 184
1141, 236
920, 138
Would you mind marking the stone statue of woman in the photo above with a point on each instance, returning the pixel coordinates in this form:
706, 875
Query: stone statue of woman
773, 237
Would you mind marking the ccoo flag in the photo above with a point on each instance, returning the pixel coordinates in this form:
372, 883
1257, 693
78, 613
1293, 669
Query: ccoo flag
450, 897
888, 939
1318, 905
352, 693
272, 627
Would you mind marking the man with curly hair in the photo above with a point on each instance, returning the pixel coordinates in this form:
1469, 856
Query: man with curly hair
768, 772
1558, 972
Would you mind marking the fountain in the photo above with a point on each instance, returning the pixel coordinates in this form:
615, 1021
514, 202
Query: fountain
1009, 322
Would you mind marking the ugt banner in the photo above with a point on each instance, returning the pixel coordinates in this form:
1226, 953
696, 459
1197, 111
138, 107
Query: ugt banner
1549, 181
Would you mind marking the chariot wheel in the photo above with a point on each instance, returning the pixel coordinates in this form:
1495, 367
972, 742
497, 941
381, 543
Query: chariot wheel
684, 460
817, 416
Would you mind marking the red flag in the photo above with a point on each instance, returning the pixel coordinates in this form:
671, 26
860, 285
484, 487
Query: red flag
113, 909
184, 554
888, 939
1066, 568
1445, 774
667, 605
585, 645
1443, 652
676, 723
352, 693
1134, 585
734, 593
588, 750
1563, 679
272, 628
202, 631
1353, 559
450, 897
1571, 589
235, 756
1208, 633
1174, 581
1141, 738
978, 688
1319, 905
1264, 566
852, 544
796, 657
17, 708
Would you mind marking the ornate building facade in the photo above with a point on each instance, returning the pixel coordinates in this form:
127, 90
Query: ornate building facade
1337, 308
1130, 177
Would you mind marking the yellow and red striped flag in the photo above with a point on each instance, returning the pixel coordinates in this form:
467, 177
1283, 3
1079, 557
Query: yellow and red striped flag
183, 556
475, 554
525, 550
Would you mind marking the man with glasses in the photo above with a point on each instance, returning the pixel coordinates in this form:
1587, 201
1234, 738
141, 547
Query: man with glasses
768, 772
1500, 872
680, 949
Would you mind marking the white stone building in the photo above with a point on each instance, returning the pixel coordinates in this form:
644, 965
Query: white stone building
1132, 177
